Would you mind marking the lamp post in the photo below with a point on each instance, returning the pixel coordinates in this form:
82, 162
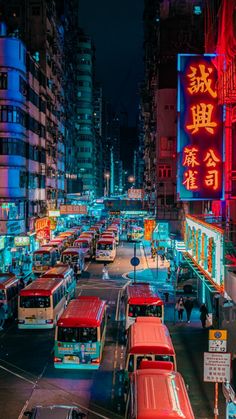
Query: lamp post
107, 180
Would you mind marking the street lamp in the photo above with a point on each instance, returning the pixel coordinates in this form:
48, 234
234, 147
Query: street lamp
107, 179
131, 179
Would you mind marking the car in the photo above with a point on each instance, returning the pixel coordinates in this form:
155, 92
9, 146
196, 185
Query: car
55, 412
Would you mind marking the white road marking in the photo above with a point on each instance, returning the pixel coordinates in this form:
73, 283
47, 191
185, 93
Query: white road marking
86, 267
117, 306
18, 375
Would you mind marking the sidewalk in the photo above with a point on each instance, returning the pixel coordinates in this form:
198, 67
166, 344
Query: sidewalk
190, 340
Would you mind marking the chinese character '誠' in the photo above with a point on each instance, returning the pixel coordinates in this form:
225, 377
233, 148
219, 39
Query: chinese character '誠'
211, 159
212, 179
200, 80
201, 116
190, 158
190, 180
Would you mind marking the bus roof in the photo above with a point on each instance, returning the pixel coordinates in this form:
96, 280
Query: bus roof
143, 294
161, 394
57, 240
41, 287
6, 279
150, 337
106, 240
72, 251
83, 312
44, 249
83, 240
57, 271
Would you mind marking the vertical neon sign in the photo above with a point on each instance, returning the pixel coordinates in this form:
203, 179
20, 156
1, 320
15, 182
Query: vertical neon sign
200, 130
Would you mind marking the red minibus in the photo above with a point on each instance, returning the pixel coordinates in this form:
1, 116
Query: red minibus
142, 300
148, 339
9, 288
86, 245
158, 394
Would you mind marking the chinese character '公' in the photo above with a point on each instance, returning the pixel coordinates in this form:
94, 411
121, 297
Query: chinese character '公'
201, 82
211, 159
190, 159
191, 179
201, 116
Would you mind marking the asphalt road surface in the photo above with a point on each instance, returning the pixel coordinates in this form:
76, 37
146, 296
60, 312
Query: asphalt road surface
27, 374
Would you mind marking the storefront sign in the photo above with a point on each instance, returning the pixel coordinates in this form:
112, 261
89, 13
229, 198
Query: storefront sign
200, 129
21, 241
42, 228
135, 193
73, 209
149, 226
217, 367
217, 340
54, 213
12, 227
205, 244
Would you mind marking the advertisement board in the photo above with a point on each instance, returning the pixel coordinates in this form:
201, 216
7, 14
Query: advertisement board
135, 193
54, 213
200, 129
149, 226
73, 209
12, 227
205, 244
21, 241
42, 228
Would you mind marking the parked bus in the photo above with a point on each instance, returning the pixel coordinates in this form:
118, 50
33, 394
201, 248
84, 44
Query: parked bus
107, 235
61, 271
86, 245
9, 288
73, 256
157, 394
149, 339
135, 233
69, 237
80, 334
105, 250
142, 300
44, 259
115, 230
41, 303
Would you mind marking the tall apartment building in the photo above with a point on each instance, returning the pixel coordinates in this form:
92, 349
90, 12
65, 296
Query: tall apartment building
85, 145
170, 28
99, 133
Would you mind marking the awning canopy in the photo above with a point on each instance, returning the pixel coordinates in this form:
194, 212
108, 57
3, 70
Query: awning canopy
212, 288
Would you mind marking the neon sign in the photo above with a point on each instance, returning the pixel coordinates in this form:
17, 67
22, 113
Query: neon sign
200, 130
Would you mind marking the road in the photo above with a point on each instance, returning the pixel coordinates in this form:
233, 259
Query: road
27, 375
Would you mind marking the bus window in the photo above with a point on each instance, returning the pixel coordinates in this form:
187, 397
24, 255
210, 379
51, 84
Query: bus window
140, 359
2, 295
35, 302
143, 310
77, 334
131, 363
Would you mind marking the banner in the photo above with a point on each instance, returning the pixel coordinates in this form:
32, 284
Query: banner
149, 226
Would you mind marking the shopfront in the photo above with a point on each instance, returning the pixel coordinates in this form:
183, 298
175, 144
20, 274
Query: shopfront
204, 242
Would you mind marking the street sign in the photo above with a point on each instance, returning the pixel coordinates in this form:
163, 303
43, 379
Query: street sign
217, 341
134, 261
217, 367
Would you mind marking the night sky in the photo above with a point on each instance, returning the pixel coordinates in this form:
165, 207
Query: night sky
116, 27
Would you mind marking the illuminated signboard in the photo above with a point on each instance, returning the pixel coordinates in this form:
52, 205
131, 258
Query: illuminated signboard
149, 226
73, 209
21, 241
205, 245
42, 228
135, 193
200, 129
54, 213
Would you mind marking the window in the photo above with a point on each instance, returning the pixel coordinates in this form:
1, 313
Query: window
164, 171
12, 146
34, 302
3, 81
22, 86
77, 334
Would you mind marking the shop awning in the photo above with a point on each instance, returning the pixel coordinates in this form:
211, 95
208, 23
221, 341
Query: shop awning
200, 274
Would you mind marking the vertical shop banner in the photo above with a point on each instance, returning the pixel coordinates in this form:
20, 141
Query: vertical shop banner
149, 226
200, 129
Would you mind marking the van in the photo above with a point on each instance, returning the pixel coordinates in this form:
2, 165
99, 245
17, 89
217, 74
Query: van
55, 412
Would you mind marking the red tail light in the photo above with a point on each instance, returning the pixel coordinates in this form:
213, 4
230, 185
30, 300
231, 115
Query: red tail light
57, 359
49, 321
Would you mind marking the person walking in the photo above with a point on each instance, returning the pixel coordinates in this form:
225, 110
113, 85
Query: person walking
2, 316
105, 274
180, 308
188, 305
76, 271
203, 314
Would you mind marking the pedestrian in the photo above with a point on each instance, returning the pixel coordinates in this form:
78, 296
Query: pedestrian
153, 252
180, 308
105, 274
2, 316
76, 271
188, 305
203, 315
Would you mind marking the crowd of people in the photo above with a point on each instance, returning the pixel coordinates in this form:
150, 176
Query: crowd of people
186, 305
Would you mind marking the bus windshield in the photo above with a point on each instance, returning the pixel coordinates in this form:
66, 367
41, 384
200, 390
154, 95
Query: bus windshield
101, 246
145, 310
83, 245
42, 257
34, 302
77, 334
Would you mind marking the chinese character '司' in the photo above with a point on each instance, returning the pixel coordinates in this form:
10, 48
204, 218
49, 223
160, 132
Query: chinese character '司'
212, 179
